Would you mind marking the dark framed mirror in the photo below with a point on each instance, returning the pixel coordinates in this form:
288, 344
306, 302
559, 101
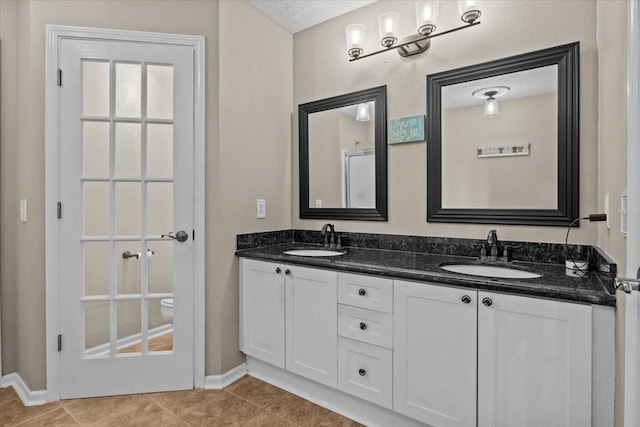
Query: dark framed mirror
343, 156
503, 140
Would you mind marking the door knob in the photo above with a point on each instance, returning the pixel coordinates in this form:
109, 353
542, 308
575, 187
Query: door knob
181, 236
487, 302
466, 299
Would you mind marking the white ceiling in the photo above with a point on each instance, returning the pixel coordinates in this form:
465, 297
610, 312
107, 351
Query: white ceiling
297, 15
536, 81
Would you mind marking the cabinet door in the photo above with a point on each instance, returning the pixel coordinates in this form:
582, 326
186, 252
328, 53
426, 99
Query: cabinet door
534, 362
312, 324
262, 310
435, 354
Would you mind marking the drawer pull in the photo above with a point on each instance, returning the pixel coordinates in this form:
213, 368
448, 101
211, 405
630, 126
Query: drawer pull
487, 302
362, 372
278, 270
363, 326
466, 299
287, 272
362, 292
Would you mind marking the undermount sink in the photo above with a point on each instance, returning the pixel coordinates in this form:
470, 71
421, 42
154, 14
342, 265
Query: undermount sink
314, 252
490, 271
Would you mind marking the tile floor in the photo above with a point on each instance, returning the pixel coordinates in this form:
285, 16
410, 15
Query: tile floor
247, 402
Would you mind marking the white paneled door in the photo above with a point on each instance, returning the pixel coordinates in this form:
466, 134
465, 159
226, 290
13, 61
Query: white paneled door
127, 211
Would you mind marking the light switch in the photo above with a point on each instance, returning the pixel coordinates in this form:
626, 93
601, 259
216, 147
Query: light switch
261, 208
23, 210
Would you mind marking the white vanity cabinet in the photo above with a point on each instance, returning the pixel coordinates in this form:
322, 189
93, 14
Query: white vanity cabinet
306, 342
311, 302
418, 352
534, 362
365, 345
533, 358
262, 310
435, 334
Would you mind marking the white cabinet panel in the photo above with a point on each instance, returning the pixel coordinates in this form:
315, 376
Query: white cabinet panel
365, 370
435, 354
262, 311
374, 293
311, 324
369, 326
534, 359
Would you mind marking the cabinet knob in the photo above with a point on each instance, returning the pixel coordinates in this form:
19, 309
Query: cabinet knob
487, 301
287, 272
363, 326
466, 299
362, 292
362, 372
278, 270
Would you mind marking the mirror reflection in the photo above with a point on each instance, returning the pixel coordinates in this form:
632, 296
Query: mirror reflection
503, 140
342, 157
501, 131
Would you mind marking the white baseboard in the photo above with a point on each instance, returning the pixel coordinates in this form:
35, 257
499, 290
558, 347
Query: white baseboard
221, 381
130, 340
337, 401
28, 397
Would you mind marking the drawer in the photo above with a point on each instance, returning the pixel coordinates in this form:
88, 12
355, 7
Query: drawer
374, 293
369, 326
365, 371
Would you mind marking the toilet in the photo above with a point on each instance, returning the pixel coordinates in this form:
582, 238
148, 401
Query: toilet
166, 309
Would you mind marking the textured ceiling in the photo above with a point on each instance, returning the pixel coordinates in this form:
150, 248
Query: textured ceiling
297, 15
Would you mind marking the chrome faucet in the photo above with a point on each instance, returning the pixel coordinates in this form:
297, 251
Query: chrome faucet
492, 243
329, 234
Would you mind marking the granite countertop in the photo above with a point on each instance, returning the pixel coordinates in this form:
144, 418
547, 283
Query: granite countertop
425, 267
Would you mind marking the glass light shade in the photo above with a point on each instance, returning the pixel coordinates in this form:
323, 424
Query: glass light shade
362, 113
469, 11
388, 28
491, 108
426, 16
355, 36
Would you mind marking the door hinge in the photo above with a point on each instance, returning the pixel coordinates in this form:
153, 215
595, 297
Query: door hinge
59, 77
59, 210
59, 342
193, 234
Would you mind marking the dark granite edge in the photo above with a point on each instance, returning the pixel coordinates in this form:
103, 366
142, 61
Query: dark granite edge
264, 238
533, 252
504, 286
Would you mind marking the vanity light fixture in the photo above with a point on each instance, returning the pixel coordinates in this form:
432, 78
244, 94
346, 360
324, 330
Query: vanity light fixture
426, 16
362, 113
491, 108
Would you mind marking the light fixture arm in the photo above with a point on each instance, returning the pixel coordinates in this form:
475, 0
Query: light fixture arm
430, 36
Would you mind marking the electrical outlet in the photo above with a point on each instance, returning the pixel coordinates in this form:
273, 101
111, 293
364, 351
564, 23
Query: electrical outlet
606, 210
318, 203
23, 210
261, 208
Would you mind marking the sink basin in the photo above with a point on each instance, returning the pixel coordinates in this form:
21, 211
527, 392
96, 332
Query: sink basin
314, 252
490, 271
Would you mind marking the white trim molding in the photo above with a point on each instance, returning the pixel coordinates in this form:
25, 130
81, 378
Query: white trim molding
28, 397
55, 33
229, 377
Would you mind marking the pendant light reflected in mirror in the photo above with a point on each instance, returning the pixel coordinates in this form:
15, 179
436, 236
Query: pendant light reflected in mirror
489, 94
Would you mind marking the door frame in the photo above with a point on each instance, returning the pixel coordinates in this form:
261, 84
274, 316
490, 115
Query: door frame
632, 343
55, 33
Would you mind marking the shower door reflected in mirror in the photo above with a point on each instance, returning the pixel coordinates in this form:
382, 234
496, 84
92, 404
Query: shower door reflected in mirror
126, 187
342, 150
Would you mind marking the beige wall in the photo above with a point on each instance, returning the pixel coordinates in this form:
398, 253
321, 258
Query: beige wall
612, 154
248, 125
322, 69
510, 182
